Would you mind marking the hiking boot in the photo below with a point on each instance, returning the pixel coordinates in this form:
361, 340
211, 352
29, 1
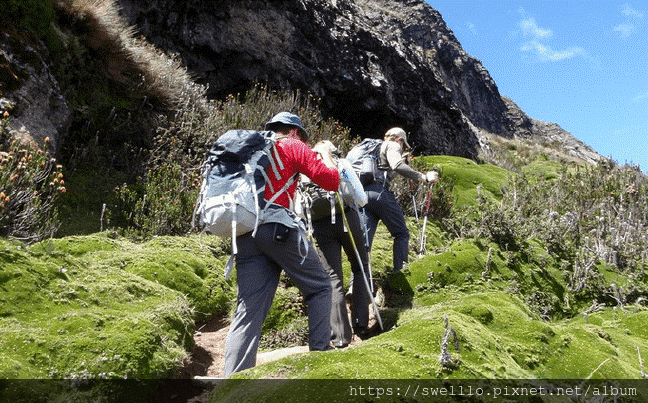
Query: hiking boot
340, 344
362, 332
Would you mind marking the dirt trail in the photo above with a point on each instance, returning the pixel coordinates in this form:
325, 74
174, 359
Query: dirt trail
208, 356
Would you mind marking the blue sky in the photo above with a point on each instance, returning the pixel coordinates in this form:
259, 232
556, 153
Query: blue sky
581, 64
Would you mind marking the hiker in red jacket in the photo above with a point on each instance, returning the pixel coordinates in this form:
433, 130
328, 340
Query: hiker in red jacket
280, 243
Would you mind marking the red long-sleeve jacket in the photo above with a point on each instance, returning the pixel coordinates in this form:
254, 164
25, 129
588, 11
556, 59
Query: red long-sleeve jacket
297, 156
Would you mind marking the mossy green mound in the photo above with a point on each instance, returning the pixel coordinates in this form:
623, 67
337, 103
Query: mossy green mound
96, 306
469, 176
491, 335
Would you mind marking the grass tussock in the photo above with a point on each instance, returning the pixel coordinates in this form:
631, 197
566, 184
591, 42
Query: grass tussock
129, 60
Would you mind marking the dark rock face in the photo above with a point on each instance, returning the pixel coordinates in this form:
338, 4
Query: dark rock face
29, 92
375, 64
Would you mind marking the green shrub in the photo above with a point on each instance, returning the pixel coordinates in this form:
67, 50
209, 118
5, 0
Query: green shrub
162, 201
30, 183
590, 220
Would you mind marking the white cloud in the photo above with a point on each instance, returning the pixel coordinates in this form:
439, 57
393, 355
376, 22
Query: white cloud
530, 27
627, 28
546, 54
629, 11
472, 28
537, 44
624, 30
555, 56
641, 97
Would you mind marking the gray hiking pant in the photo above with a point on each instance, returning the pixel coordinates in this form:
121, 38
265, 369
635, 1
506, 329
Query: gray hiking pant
258, 266
382, 205
331, 239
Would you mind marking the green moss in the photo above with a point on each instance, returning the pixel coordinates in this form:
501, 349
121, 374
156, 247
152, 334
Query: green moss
542, 168
102, 306
76, 245
468, 176
497, 338
286, 307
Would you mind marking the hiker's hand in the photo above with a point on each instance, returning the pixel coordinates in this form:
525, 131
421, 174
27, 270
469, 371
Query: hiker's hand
431, 177
326, 149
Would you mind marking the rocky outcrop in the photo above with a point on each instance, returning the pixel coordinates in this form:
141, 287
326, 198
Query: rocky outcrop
374, 64
29, 93
553, 134
548, 134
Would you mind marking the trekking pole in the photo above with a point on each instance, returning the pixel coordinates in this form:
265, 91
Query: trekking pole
364, 276
418, 222
423, 239
415, 209
363, 223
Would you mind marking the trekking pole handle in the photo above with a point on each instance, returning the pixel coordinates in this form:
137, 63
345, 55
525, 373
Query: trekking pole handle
427, 207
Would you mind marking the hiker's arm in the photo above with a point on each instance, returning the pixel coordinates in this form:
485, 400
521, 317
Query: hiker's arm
397, 163
322, 172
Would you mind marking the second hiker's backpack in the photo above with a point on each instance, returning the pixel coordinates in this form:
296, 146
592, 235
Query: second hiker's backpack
364, 160
319, 203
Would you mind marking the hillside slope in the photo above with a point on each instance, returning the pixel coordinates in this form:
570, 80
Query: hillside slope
513, 304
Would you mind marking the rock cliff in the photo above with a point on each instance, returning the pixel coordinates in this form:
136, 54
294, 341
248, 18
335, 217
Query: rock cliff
29, 91
374, 64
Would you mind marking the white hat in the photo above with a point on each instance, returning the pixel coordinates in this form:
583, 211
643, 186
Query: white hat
398, 132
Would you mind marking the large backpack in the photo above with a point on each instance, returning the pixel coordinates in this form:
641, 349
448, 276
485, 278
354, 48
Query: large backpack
234, 178
364, 160
319, 203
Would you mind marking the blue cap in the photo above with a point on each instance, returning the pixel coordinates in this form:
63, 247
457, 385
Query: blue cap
287, 118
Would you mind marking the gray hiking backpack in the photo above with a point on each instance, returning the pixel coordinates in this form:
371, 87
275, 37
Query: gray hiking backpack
231, 199
364, 160
318, 204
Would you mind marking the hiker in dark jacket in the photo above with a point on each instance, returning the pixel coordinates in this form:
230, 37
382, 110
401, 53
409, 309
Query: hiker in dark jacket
332, 237
382, 203
280, 244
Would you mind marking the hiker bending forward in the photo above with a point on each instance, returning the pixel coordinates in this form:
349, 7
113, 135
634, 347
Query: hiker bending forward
382, 203
280, 244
